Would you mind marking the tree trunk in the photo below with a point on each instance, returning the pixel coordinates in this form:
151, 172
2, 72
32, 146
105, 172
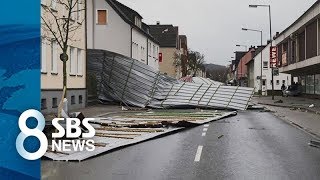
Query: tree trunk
65, 76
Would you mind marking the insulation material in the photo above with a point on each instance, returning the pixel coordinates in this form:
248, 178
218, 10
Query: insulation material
122, 79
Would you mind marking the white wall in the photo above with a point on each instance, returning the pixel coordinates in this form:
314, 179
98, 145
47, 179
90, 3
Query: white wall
115, 36
266, 73
139, 46
144, 49
153, 54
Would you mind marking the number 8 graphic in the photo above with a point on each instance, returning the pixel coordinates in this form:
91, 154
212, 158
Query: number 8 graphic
27, 132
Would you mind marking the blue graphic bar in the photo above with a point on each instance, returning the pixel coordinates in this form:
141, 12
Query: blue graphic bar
19, 83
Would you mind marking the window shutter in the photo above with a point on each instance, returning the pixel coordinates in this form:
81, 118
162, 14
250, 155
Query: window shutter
54, 57
80, 63
43, 57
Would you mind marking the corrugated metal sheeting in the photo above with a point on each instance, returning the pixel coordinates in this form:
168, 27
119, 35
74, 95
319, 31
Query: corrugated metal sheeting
134, 83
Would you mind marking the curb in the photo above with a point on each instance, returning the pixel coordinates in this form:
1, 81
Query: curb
288, 106
306, 130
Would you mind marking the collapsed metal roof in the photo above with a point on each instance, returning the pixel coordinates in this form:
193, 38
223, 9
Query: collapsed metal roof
123, 79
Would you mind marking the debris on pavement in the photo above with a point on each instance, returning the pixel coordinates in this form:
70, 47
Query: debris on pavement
311, 106
279, 101
220, 136
118, 130
314, 143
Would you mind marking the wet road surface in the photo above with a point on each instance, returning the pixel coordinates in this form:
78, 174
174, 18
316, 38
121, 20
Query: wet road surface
251, 145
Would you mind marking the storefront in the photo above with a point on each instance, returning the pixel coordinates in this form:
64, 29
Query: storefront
310, 84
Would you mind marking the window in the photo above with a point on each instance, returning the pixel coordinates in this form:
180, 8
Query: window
277, 82
43, 104
53, 4
54, 102
79, 63
142, 54
43, 57
73, 61
102, 17
73, 100
265, 64
149, 49
138, 22
263, 82
54, 57
283, 81
154, 51
135, 50
78, 11
157, 53
80, 99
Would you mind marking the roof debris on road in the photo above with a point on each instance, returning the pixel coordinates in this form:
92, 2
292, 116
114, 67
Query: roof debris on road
133, 83
127, 128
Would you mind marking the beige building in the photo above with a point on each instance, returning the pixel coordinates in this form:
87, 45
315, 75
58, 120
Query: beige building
168, 37
52, 66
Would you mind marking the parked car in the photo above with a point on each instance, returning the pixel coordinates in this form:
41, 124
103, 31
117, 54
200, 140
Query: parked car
293, 90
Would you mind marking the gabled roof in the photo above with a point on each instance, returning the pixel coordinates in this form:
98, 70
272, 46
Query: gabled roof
167, 35
128, 15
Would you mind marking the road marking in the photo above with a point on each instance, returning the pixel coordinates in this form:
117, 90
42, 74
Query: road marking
198, 154
204, 134
205, 129
206, 125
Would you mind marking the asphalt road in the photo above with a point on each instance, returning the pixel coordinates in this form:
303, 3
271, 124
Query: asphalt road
251, 145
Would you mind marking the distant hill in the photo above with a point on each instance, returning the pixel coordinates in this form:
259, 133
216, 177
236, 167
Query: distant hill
216, 72
212, 67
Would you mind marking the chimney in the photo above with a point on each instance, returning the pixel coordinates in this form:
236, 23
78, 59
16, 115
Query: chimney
158, 22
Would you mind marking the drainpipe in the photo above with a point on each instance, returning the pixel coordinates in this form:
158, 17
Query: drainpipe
131, 43
93, 23
86, 48
147, 51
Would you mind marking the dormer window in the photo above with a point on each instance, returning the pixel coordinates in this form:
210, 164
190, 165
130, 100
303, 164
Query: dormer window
138, 21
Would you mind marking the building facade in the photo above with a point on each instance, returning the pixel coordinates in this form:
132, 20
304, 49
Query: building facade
117, 28
168, 37
52, 66
299, 50
242, 72
254, 70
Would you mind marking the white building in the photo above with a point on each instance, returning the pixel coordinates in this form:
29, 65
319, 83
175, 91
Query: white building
266, 74
115, 27
52, 66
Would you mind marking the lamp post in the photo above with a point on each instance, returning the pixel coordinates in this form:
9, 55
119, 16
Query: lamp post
245, 46
260, 31
268, 6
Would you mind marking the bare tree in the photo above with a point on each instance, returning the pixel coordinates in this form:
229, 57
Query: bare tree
62, 26
180, 62
177, 59
195, 62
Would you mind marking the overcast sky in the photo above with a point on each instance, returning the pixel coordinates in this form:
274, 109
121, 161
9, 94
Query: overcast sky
213, 27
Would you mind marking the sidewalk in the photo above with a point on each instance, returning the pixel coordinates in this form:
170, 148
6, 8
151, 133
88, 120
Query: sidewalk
290, 102
296, 111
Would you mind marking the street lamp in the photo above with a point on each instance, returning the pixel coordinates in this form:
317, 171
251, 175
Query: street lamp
245, 46
268, 6
245, 29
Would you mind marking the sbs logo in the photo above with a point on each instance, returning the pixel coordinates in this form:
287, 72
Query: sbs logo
27, 132
71, 131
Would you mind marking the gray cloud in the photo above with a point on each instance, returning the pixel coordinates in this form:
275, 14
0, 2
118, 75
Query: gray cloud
214, 27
